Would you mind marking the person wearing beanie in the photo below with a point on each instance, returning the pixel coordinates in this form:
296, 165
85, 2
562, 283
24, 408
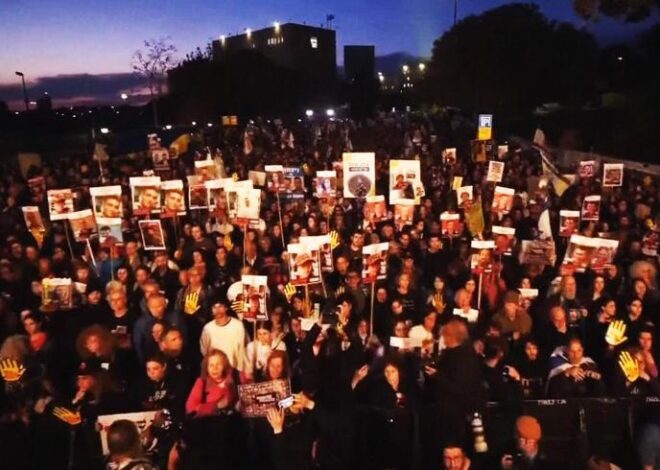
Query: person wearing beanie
525, 452
513, 321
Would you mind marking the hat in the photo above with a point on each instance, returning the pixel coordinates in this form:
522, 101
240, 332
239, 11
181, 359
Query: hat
511, 297
528, 427
303, 258
89, 367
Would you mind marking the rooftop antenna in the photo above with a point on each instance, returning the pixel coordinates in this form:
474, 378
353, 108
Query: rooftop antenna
328, 20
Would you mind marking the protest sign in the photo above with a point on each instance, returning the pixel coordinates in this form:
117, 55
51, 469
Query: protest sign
504, 238
450, 224
405, 181
612, 175
591, 208
404, 211
145, 193
322, 244
481, 259
152, 234
258, 178
109, 231
304, 264
56, 293
257, 398
569, 221
161, 159
541, 252
359, 174
83, 225
470, 315
325, 184
206, 170
485, 129
106, 201
173, 201
375, 210
587, 169
502, 151
141, 419
464, 197
255, 296
495, 171
374, 262
449, 156
503, 200
274, 177
60, 203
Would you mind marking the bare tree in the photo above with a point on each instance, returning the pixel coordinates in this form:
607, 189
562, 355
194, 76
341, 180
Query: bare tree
153, 62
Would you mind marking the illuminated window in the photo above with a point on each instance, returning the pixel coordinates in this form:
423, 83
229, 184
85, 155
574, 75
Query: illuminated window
314, 42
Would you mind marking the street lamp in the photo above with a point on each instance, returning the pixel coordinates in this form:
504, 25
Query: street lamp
422, 66
276, 25
405, 69
105, 130
25, 97
248, 32
330, 112
123, 96
309, 113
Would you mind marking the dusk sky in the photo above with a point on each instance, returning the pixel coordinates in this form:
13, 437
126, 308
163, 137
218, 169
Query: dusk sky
52, 38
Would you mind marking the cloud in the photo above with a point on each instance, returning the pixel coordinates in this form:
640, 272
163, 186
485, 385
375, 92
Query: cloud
79, 89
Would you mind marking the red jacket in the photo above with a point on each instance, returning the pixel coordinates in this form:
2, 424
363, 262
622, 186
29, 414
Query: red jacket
206, 393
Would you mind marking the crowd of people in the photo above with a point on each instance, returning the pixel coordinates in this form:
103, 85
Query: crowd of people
394, 374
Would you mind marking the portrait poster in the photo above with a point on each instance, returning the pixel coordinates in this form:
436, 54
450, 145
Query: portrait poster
60, 203
206, 170
374, 262
233, 192
173, 201
591, 208
33, 219
249, 204
604, 254
197, 193
404, 212
456, 183
650, 243
153, 237
503, 199
539, 252
359, 174
304, 264
504, 238
257, 398
110, 232
502, 151
274, 178
294, 181
527, 296
451, 225
495, 171
216, 197
464, 197
107, 201
569, 222
258, 178
449, 156
481, 259
405, 181
34, 223
322, 244
161, 159
56, 293
83, 225
579, 252
141, 419
255, 292
375, 210
485, 127
145, 194
612, 175
325, 184
587, 169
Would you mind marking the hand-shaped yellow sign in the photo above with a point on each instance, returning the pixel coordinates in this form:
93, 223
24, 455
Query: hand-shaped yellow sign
70, 417
335, 239
11, 370
628, 366
289, 291
616, 333
191, 304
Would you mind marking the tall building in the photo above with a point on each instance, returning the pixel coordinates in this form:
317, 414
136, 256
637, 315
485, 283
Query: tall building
308, 50
45, 103
359, 63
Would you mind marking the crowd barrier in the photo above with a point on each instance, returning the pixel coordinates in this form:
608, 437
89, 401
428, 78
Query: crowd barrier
574, 430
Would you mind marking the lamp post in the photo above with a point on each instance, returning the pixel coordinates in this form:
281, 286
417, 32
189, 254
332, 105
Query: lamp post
25, 97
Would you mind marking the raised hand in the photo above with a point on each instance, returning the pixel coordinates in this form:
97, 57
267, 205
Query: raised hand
616, 333
335, 239
438, 303
629, 366
238, 306
289, 291
70, 417
11, 370
191, 304
275, 418
227, 243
